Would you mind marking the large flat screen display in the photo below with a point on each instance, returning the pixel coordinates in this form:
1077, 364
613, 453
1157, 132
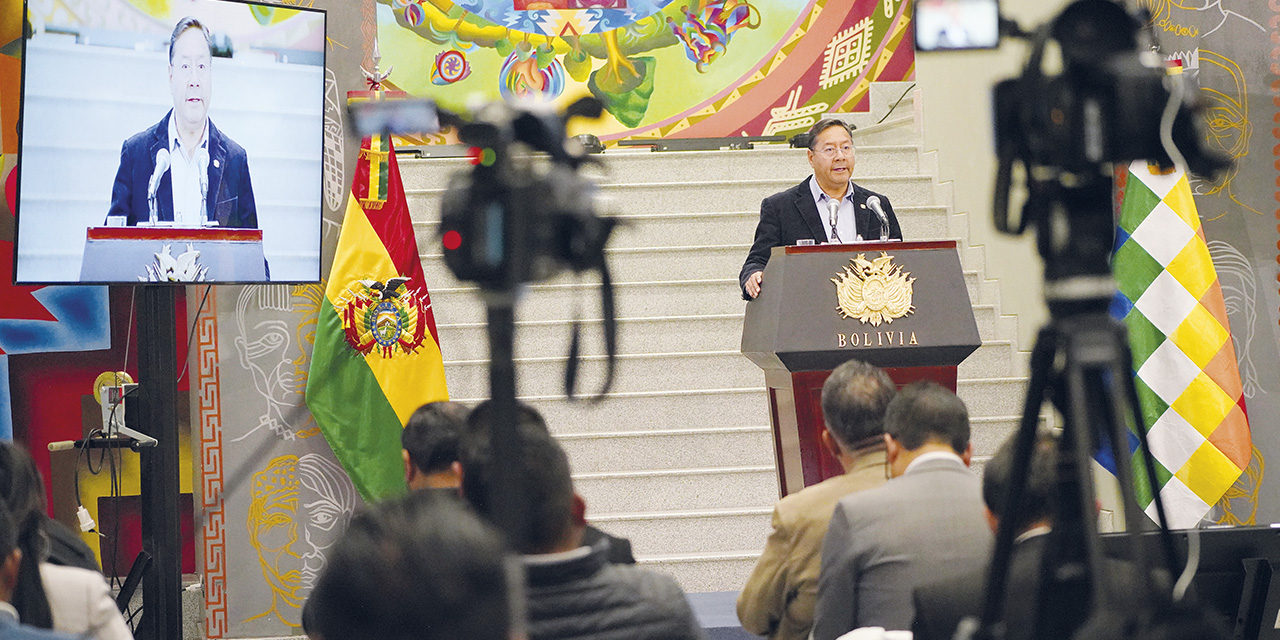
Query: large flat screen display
183, 142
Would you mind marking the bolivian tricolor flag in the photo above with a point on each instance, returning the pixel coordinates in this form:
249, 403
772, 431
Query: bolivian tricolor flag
377, 355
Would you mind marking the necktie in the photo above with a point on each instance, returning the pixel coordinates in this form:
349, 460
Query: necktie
833, 213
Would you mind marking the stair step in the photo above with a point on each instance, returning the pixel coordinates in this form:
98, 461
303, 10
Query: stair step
548, 338
673, 448
619, 164
642, 263
678, 489
634, 372
990, 397
641, 298
992, 358
699, 197
711, 228
634, 411
690, 532
698, 573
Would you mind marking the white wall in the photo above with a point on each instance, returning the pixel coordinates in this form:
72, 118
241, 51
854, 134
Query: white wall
956, 94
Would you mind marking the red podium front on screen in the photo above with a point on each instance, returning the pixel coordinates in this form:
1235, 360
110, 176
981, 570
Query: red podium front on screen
902, 306
133, 254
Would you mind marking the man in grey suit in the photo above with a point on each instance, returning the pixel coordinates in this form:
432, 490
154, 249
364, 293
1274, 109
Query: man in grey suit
926, 524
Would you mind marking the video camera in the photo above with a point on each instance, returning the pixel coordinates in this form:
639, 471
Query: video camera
518, 217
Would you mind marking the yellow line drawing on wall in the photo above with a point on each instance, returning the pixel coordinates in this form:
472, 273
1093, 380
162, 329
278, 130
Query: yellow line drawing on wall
1240, 503
299, 505
1162, 16
1227, 117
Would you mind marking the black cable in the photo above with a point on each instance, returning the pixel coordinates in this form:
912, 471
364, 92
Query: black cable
192, 334
895, 104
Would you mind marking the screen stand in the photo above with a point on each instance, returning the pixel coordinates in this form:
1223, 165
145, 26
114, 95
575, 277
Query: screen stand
158, 418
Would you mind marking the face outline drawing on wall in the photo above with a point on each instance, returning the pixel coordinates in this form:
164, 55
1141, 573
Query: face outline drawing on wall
275, 330
1227, 124
299, 506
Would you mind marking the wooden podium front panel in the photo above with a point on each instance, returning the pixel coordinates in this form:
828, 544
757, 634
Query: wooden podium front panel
795, 407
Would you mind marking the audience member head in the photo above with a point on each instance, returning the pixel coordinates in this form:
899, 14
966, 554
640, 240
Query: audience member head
10, 554
555, 516
854, 398
422, 566
430, 444
924, 417
23, 494
1038, 496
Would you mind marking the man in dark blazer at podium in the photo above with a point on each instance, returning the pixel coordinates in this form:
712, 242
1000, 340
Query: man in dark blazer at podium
195, 174
826, 207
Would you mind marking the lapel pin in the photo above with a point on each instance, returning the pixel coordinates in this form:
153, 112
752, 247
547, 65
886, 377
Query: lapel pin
217, 164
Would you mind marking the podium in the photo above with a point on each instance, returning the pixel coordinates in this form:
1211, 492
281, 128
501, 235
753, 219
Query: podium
902, 306
125, 254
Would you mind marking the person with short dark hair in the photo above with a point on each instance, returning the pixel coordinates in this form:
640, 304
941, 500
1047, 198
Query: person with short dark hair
194, 173
619, 548
11, 627
924, 524
572, 589
430, 442
826, 207
415, 567
48, 596
779, 597
940, 605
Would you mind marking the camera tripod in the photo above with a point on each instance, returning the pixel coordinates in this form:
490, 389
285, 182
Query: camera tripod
1081, 362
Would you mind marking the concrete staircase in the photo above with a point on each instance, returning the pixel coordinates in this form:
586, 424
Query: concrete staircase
679, 458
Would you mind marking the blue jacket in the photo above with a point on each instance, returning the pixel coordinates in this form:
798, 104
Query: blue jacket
230, 199
11, 630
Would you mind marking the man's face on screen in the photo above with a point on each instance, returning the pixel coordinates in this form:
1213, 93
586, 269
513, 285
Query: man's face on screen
190, 78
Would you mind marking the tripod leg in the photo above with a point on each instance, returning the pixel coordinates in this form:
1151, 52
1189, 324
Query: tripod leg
1070, 565
1042, 357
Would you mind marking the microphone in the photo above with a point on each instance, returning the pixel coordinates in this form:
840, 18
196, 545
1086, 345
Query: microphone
162, 165
833, 214
202, 169
873, 203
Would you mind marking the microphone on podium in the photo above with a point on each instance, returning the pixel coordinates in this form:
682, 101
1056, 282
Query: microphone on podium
202, 170
162, 165
873, 203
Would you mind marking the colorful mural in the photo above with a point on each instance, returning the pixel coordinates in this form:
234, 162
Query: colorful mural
662, 68
33, 319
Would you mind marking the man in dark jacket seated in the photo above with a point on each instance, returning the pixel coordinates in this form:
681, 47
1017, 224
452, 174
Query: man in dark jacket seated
572, 590
430, 444
941, 606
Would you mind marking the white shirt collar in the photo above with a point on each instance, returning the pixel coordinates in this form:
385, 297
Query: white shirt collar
175, 144
559, 556
933, 455
819, 195
7, 608
1031, 533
